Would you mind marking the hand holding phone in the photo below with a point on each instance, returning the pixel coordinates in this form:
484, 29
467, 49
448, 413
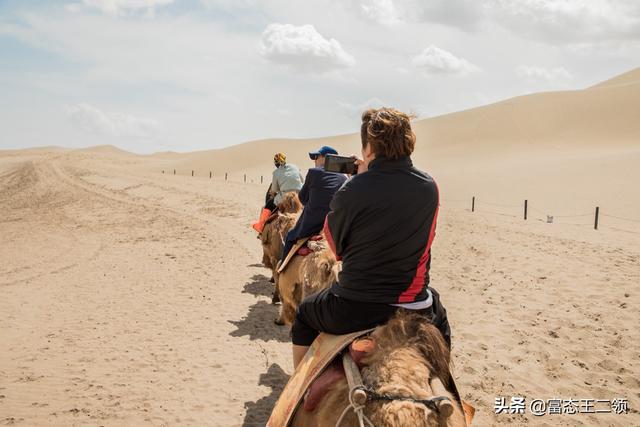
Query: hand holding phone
340, 164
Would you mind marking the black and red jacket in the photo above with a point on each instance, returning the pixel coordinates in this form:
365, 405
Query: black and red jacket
382, 223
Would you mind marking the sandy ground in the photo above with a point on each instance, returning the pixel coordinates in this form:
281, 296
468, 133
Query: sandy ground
130, 297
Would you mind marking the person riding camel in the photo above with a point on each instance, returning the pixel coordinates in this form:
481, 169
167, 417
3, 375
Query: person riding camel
286, 178
316, 194
381, 225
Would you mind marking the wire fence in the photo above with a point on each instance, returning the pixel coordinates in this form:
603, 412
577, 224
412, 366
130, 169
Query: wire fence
211, 175
524, 210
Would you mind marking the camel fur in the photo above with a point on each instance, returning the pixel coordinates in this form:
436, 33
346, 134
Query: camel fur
275, 232
409, 352
305, 275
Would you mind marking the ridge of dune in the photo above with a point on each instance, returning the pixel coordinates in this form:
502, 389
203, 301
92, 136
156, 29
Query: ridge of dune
530, 122
106, 149
52, 148
566, 151
630, 77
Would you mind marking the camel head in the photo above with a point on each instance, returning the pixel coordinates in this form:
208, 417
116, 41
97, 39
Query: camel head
411, 360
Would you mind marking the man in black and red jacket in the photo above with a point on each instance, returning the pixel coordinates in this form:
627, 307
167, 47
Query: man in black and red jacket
382, 225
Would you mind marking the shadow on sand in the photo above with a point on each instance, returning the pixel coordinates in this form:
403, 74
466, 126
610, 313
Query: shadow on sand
258, 324
259, 286
258, 412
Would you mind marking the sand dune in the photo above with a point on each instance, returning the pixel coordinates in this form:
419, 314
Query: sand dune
106, 149
566, 152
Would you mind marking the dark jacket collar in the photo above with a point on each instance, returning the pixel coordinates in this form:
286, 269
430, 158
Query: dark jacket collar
403, 162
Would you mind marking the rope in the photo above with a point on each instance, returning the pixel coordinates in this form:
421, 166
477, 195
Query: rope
455, 200
498, 204
621, 218
573, 216
622, 229
499, 213
358, 410
572, 223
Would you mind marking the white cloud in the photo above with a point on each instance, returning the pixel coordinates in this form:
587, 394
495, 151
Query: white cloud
95, 121
120, 7
381, 11
569, 20
434, 60
541, 73
196, 70
465, 14
572, 21
303, 48
356, 110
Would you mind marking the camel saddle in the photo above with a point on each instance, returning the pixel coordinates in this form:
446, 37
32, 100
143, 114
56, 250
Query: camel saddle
272, 217
299, 248
322, 352
320, 369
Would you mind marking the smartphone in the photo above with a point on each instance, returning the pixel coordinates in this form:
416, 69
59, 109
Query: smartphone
339, 164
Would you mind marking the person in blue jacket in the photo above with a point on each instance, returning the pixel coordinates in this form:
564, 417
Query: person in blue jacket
316, 194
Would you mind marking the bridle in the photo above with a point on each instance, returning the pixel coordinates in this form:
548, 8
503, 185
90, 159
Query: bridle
372, 396
431, 403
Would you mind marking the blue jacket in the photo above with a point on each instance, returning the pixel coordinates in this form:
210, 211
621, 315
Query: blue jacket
316, 194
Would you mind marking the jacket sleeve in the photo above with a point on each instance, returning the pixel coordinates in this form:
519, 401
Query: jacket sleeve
304, 191
339, 220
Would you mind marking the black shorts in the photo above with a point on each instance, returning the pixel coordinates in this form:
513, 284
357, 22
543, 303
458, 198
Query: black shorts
327, 312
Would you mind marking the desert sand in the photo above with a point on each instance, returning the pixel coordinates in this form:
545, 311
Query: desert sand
136, 297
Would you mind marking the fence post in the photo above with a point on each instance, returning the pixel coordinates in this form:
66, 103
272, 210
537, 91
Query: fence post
191, 173
163, 171
209, 174
595, 224
473, 204
245, 177
261, 179
174, 171
525, 208
225, 176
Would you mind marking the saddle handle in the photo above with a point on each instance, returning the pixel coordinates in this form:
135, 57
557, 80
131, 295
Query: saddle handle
354, 379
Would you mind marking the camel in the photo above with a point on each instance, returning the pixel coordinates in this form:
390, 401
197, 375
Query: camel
410, 360
305, 275
274, 232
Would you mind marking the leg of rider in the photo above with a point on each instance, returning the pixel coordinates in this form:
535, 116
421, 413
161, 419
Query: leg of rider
440, 319
325, 312
298, 352
304, 329
270, 205
290, 240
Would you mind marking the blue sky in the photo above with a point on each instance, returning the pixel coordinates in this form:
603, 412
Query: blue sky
158, 75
